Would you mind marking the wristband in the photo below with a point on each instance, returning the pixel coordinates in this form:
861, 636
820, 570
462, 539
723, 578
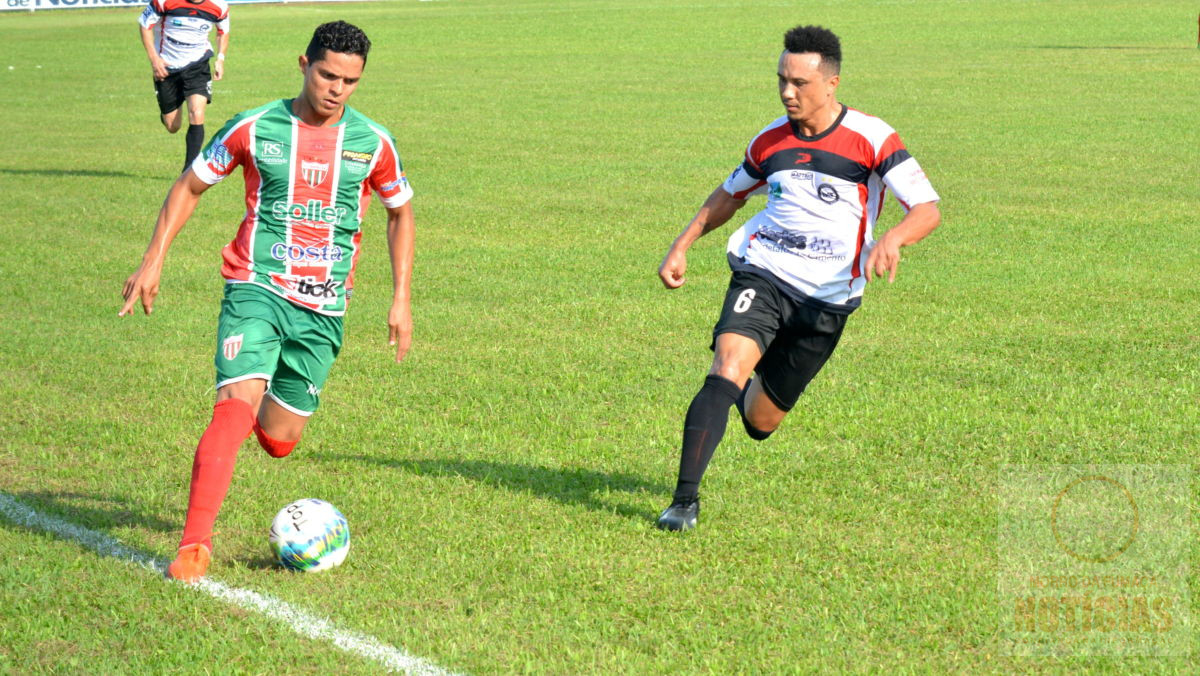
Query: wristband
220, 57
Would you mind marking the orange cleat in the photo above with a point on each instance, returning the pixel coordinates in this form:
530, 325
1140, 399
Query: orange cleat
191, 564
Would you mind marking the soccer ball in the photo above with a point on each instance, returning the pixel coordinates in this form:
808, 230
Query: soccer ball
310, 535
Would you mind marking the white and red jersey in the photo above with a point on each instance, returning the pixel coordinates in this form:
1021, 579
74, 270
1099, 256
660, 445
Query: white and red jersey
307, 190
181, 28
824, 194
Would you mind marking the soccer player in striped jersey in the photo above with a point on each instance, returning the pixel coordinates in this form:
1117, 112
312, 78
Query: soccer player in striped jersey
175, 35
309, 165
799, 265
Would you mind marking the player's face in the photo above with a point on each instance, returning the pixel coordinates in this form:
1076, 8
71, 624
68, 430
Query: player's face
803, 88
328, 83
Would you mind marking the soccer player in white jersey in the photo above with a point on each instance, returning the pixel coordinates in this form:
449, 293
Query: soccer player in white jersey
799, 265
175, 34
309, 165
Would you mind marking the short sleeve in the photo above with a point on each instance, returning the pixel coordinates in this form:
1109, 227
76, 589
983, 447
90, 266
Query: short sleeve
387, 177
744, 182
902, 174
151, 15
225, 151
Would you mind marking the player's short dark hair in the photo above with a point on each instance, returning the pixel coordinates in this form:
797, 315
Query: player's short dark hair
802, 39
337, 36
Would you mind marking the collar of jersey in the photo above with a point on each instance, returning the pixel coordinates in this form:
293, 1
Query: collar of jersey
796, 127
287, 107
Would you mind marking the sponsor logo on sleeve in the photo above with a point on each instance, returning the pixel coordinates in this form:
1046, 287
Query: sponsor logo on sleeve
219, 158
400, 183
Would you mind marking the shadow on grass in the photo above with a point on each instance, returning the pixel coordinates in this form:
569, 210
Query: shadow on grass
96, 512
81, 173
1109, 47
262, 562
569, 486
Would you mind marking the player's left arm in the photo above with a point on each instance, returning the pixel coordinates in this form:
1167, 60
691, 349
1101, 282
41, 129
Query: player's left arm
401, 232
920, 220
222, 49
902, 173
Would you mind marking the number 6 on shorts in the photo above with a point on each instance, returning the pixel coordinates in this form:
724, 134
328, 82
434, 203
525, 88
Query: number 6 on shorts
744, 299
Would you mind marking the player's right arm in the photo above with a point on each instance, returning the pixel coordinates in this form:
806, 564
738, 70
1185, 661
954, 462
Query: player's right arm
748, 179
146, 23
715, 212
176, 210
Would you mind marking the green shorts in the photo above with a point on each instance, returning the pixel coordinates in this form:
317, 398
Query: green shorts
261, 335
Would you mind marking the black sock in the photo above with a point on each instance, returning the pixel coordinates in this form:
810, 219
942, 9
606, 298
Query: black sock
702, 431
754, 433
195, 141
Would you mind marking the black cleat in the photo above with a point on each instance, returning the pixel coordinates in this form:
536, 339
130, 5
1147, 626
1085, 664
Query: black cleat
681, 515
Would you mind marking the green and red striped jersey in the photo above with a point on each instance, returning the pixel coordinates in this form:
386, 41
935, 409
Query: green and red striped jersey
307, 190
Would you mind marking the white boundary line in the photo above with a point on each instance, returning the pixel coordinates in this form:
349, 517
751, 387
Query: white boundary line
300, 621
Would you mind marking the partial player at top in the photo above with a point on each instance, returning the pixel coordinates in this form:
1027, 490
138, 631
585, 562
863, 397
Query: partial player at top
175, 34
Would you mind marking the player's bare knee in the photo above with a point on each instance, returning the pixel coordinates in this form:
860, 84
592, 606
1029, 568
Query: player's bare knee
734, 372
760, 429
764, 415
764, 423
276, 448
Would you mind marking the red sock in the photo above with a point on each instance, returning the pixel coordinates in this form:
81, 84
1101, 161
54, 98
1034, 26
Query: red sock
274, 447
212, 469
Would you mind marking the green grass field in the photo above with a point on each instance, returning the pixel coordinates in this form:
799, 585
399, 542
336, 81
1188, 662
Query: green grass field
501, 483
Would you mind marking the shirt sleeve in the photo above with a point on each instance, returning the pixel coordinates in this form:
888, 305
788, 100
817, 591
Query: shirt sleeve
748, 178
151, 15
742, 183
387, 177
901, 172
225, 151
223, 24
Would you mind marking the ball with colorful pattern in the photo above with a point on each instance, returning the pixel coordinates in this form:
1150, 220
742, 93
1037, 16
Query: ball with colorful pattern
310, 535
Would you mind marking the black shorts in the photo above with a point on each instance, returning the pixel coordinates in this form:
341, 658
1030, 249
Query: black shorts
173, 90
795, 339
